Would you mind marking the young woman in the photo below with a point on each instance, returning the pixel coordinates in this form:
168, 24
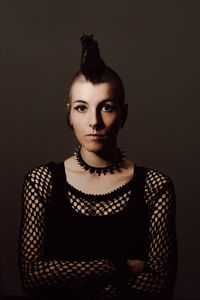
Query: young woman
97, 226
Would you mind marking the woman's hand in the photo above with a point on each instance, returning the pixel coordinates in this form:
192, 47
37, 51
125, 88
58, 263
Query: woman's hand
136, 265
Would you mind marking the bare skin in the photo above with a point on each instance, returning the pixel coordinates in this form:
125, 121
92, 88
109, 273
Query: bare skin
94, 184
96, 117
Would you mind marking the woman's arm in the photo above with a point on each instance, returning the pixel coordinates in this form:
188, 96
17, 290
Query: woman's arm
38, 274
153, 279
159, 273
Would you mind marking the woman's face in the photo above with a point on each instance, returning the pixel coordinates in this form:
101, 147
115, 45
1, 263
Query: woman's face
95, 115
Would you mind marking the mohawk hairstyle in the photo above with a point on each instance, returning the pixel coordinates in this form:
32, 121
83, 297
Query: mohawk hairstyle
92, 65
93, 69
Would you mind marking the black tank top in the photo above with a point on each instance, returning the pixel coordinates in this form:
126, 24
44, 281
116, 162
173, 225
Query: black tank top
70, 234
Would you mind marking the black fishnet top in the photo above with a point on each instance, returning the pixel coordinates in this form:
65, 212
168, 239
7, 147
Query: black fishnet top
51, 264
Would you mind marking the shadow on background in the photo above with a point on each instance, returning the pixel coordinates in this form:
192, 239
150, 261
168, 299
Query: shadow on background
155, 46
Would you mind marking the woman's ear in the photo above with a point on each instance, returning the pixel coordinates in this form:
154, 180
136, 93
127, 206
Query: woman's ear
68, 117
68, 107
124, 114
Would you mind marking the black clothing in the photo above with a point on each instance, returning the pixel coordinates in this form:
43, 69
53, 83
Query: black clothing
76, 244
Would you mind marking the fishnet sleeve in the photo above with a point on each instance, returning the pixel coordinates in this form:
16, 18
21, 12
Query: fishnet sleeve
157, 279
38, 274
158, 276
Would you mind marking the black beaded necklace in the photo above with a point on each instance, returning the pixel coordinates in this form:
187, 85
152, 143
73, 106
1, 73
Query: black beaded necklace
102, 170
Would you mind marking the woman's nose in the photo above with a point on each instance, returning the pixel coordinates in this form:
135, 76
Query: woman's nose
94, 119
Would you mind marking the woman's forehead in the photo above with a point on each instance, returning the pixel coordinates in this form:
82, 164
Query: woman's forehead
89, 91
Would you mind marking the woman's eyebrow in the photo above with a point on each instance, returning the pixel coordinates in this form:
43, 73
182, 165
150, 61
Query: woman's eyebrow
80, 101
105, 100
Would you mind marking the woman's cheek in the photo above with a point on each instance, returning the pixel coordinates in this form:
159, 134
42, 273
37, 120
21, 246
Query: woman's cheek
114, 127
78, 134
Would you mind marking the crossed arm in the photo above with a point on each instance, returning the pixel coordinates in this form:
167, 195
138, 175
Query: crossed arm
156, 276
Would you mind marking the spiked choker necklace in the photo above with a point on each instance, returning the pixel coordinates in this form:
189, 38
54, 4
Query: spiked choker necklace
102, 170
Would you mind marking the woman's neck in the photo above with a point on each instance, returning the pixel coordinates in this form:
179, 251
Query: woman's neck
103, 158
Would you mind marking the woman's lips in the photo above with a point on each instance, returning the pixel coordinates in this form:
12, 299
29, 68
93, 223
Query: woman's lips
96, 136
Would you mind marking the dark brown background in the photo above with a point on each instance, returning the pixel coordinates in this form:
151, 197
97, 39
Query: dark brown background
155, 47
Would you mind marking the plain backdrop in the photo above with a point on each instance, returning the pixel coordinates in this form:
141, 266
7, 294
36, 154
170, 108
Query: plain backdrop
155, 47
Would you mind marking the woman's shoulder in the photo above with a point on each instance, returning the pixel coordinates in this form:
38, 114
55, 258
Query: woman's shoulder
41, 175
156, 179
38, 181
159, 189
41, 170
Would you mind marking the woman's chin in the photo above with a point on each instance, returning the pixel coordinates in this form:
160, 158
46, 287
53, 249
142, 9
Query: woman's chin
95, 147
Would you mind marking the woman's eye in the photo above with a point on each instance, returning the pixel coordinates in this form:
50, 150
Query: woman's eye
107, 107
80, 108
